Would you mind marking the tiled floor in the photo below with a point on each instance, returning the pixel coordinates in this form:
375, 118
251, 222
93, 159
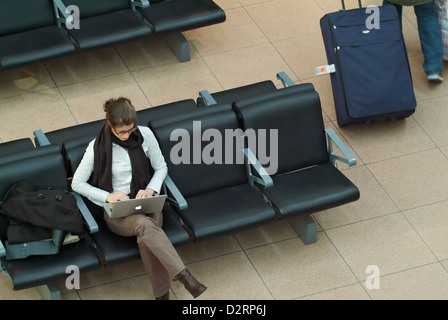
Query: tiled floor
399, 225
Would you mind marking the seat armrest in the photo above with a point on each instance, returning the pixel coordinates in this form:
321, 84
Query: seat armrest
2, 250
88, 218
40, 138
333, 138
60, 8
262, 177
285, 79
139, 3
174, 195
207, 98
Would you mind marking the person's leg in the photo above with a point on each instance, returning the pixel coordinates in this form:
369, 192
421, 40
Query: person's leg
430, 38
159, 256
442, 17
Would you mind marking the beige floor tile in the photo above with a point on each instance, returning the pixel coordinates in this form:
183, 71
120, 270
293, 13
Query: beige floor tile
308, 47
292, 270
173, 82
21, 115
350, 292
244, 69
70, 296
86, 99
445, 151
431, 223
136, 288
322, 85
228, 277
389, 242
429, 282
422, 87
238, 22
373, 202
228, 4
445, 264
386, 139
86, 66
335, 5
282, 19
25, 80
413, 180
146, 53
209, 248
277, 230
432, 116
7, 293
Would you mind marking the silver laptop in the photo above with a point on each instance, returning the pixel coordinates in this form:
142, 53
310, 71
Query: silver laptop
126, 208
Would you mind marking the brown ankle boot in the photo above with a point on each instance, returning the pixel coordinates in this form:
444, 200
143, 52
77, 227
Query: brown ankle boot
166, 296
191, 284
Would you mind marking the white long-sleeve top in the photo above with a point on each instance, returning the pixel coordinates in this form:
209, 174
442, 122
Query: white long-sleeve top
121, 169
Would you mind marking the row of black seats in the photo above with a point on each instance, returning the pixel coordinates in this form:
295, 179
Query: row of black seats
37, 30
217, 183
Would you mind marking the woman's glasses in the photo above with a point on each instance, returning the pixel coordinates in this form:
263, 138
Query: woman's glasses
122, 133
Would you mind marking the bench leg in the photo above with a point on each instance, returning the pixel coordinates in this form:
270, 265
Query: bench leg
179, 45
50, 292
304, 226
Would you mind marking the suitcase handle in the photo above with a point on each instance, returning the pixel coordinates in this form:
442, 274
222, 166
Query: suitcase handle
343, 4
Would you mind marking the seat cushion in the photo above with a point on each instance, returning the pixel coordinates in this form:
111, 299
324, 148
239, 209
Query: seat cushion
297, 119
182, 15
24, 15
197, 113
25, 154
23, 144
311, 190
33, 46
225, 211
207, 146
89, 8
238, 93
109, 29
167, 110
83, 131
39, 270
112, 247
244, 101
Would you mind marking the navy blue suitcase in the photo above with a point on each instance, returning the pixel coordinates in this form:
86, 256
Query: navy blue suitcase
372, 79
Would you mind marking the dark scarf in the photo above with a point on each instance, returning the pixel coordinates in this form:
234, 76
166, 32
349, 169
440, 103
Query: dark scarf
102, 169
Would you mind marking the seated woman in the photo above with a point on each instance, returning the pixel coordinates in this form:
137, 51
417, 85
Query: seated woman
115, 167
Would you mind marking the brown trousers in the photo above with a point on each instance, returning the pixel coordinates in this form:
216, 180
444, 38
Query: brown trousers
160, 258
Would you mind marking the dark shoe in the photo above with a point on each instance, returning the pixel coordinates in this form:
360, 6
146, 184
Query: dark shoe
191, 284
166, 296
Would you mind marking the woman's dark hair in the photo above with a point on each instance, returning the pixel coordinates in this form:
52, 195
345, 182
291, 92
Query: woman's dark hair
120, 112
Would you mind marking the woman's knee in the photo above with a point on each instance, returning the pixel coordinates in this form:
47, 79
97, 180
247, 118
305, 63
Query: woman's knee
145, 225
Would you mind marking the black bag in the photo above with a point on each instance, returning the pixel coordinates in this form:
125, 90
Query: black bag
39, 214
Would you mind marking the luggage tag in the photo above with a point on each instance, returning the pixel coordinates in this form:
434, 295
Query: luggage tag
325, 69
